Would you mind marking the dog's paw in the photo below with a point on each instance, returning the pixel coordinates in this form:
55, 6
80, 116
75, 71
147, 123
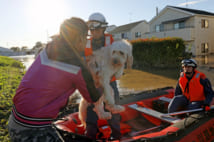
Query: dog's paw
104, 115
115, 108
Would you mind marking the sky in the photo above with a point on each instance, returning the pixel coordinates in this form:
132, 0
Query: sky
25, 22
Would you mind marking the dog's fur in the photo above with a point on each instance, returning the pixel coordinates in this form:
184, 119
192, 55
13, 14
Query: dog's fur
104, 64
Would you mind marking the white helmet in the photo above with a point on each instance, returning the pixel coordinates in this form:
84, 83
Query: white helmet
97, 20
189, 62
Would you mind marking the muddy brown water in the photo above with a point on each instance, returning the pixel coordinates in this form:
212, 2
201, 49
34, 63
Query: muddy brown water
137, 80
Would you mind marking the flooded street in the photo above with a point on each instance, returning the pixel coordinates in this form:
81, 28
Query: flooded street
138, 80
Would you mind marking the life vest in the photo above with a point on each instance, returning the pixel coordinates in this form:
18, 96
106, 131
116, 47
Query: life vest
104, 129
194, 91
88, 50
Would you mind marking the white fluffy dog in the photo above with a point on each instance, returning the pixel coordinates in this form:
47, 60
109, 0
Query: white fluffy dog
104, 64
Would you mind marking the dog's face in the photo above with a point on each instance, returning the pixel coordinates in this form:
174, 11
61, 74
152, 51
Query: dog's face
121, 54
118, 58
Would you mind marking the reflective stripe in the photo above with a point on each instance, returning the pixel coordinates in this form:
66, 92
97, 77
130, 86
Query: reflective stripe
197, 75
29, 125
88, 44
29, 118
39, 121
56, 64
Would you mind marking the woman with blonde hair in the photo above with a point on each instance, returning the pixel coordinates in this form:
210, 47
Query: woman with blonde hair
45, 88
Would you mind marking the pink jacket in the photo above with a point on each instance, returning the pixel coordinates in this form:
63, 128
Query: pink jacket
46, 87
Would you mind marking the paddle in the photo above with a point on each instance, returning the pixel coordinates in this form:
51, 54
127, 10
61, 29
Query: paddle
186, 111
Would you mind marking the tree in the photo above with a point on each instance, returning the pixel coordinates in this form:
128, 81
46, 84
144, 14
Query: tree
38, 45
15, 49
24, 48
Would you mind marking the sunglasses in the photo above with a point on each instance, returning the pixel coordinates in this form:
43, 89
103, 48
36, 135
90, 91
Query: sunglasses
92, 25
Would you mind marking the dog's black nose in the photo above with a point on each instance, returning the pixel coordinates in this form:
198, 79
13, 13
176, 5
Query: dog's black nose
115, 61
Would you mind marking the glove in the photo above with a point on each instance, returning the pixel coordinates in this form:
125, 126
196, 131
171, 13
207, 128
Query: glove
206, 107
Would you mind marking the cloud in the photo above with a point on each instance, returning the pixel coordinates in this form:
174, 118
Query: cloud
191, 2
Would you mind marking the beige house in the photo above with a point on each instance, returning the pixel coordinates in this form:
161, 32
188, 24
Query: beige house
195, 27
131, 31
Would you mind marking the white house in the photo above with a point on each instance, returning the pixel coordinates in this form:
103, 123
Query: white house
110, 28
195, 27
130, 31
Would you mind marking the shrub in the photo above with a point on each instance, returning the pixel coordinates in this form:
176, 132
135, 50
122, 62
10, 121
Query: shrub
158, 52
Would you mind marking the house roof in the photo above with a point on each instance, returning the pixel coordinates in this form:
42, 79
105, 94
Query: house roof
126, 27
177, 20
194, 11
191, 12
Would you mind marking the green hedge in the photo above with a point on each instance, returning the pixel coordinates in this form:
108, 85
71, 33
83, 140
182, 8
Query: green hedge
158, 52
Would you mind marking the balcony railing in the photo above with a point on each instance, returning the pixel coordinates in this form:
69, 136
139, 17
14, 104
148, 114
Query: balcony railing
187, 33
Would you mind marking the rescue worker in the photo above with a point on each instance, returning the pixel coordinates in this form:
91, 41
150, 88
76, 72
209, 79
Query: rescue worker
193, 89
97, 25
45, 88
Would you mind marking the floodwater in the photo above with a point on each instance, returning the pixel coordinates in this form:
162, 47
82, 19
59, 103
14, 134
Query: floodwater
139, 80
27, 60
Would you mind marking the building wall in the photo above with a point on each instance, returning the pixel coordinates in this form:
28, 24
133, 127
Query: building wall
118, 35
193, 35
141, 28
204, 35
166, 15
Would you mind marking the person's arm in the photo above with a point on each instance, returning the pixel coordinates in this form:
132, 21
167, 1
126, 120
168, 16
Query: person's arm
87, 88
178, 90
209, 94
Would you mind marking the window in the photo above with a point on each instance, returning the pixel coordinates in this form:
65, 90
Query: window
124, 35
204, 23
204, 48
138, 34
161, 27
157, 28
179, 25
176, 26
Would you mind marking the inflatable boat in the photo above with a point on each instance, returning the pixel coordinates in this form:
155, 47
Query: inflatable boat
146, 119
